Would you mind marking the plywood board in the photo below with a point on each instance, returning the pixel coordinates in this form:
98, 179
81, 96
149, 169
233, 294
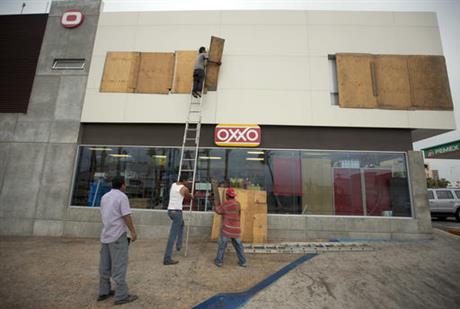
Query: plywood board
217, 219
120, 72
260, 228
216, 226
155, 73
253, 216
245, 197
183, 71
355, 82
429, 83
317, 186
392, 82
216, 50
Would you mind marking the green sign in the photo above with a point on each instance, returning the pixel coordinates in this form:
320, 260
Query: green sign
441, 149
202, 186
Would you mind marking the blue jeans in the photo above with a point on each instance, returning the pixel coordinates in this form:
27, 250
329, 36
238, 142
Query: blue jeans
236, 244
114, 263
175, 233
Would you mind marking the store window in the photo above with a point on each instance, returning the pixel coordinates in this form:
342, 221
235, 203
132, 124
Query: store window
296, 181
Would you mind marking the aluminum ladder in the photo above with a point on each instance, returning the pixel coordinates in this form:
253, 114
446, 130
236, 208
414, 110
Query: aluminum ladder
189, 151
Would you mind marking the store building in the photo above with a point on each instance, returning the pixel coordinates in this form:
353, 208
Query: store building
338, 97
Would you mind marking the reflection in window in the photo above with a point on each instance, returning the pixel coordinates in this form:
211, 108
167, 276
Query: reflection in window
296, 181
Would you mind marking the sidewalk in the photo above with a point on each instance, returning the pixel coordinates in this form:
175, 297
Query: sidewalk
63, 273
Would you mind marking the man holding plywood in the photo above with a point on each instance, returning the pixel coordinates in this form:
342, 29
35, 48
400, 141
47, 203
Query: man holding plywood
230, 211
198, 71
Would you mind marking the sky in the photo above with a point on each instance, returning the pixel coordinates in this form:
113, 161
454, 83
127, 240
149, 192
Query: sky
448, 13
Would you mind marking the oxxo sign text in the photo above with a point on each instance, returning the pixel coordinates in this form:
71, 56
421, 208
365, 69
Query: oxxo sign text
237, 135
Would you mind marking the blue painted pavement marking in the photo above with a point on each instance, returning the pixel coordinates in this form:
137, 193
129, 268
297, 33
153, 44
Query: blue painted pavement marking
237, 300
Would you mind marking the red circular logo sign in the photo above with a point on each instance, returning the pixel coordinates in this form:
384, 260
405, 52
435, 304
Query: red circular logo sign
72, 18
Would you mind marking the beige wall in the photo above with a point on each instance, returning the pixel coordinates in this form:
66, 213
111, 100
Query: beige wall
275, 68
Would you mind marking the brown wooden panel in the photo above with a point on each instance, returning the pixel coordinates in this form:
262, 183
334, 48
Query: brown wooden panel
260, 228
355, 81
155, 73
183, 71
317, 186
429, 83
217, 219
216, 50
120, 72
216, 226
253, 215
392, 82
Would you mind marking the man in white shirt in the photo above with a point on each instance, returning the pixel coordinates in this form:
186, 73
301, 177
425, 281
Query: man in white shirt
116, 218
176, 197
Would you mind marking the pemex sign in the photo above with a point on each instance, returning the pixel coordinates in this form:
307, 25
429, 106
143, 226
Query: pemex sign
441, 150
237, 135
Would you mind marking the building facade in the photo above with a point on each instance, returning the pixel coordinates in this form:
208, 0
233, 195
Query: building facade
329, 170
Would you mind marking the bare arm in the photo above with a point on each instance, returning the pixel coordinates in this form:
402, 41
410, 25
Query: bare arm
129, 223
185, 192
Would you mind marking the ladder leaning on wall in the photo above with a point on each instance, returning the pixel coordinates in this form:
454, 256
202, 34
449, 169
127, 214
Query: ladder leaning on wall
189, 151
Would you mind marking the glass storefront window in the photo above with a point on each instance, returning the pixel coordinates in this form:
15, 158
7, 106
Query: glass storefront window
296, 181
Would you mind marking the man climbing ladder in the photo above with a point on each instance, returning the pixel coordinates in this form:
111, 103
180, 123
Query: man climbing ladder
198, 71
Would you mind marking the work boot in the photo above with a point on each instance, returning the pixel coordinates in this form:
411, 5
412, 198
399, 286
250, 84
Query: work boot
105, 296
172, 262
128, 299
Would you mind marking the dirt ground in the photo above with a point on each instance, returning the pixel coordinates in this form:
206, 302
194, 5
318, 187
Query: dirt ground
40, 272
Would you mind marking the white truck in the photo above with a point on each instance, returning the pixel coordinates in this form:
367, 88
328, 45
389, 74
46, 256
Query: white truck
444, 203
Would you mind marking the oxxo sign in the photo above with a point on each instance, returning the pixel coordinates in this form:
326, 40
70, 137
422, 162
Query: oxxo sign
237, 135
72, 18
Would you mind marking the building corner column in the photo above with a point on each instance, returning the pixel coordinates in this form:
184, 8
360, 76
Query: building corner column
419, 192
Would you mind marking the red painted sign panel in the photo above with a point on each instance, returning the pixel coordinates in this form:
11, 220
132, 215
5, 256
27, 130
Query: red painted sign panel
72, 18
237, 135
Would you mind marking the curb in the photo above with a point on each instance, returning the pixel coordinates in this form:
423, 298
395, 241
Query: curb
449, 234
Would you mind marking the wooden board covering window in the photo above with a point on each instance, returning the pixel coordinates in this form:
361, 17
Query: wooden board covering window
355, 81
183, 71
120, 72
216, 50
317, 186
429, 83
392, 82
155, 73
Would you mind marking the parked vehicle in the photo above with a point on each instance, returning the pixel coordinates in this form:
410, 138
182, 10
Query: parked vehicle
444, 203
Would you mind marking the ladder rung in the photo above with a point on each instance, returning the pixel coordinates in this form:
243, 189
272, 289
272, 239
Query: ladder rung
185, 170
187, 159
